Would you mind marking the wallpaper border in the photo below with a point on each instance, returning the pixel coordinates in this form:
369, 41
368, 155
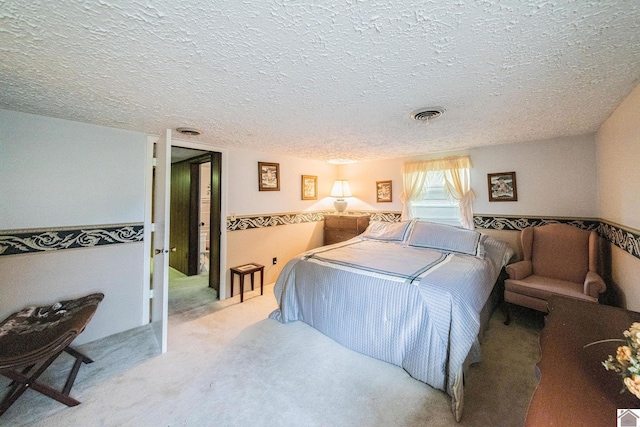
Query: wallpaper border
24, 241
13, 242
622, 237
626, 239
260, 221
518, 223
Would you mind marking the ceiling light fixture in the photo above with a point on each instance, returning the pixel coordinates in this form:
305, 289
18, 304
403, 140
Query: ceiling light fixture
426, 114
188, 131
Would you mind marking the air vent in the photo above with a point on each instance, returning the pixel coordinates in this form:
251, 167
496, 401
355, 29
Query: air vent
426, 114
189, 131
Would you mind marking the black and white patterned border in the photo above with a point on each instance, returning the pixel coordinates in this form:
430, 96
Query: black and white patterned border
512, 223
623, 238
626, 240
14, 242
261, 221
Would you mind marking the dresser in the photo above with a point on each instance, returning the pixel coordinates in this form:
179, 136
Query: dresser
574, 387
338, 228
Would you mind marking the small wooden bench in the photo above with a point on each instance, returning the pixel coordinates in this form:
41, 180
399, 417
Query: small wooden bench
31, 339
243, 270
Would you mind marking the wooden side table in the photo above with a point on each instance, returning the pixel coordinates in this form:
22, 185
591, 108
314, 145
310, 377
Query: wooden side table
243, 270
574, 387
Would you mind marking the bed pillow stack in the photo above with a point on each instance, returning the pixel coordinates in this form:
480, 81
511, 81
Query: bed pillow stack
446, 238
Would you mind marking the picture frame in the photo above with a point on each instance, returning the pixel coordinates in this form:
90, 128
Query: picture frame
268, 176
384, 192
502, 187
309, 187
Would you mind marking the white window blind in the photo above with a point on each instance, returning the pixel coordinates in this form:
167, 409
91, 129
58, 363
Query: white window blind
435, 203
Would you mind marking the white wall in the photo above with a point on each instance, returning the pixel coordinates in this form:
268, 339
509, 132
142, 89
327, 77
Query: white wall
60, 173
41, 279
619, 164
618, 153
362, 178
554, 178
245, 199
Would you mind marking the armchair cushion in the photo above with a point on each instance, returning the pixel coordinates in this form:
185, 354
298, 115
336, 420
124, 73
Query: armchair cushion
544, 287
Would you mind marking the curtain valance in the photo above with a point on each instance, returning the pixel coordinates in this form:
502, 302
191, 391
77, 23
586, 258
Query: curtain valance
443, 164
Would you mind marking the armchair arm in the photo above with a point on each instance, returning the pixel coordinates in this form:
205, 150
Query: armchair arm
519, 270
593, 284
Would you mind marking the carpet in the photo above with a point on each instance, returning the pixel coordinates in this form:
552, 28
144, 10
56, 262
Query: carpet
235, 367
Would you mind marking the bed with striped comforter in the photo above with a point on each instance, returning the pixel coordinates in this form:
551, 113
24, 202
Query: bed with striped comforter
414, 307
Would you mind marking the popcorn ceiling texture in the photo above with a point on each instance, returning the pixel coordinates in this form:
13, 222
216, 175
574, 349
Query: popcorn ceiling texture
324, 79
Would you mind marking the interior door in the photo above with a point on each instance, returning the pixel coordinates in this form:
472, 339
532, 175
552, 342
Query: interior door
161, 200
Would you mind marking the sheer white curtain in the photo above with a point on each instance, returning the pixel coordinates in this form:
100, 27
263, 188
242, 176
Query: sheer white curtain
459, 185
414, 177
457, 178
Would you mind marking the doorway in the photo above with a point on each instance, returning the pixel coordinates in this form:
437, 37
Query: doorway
195, 225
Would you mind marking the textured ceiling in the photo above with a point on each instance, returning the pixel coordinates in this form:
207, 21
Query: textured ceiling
324, 79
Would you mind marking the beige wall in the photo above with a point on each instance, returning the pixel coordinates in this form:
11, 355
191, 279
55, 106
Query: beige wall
618, 156
261, 245
244, 198
555, 177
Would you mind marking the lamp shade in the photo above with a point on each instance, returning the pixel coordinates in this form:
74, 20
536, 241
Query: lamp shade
340, 189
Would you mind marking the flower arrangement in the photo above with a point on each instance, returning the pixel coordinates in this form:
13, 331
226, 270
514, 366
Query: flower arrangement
627, 359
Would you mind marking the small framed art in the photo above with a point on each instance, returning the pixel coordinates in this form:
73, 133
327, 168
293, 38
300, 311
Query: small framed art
268, 176
383, 191
502, 187
309, 187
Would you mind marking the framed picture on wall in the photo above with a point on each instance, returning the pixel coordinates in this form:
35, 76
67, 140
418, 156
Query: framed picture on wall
502, 187
309, 187
268, 176
383, 191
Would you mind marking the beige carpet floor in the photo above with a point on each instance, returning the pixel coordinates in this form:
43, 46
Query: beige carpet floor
228, 365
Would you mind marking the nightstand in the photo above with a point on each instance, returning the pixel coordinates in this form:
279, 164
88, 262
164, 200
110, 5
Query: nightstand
338, 228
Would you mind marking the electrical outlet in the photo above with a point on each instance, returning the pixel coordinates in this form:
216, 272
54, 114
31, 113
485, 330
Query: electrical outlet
275, 260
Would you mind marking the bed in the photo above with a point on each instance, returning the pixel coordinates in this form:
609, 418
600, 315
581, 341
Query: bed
412, 293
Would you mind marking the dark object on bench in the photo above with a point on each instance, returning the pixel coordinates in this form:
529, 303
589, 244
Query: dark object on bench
31, 339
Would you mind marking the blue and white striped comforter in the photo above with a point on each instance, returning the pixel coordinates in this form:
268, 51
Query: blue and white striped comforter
413, 307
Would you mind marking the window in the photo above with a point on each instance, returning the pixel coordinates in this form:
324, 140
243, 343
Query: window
435, 203
451, 181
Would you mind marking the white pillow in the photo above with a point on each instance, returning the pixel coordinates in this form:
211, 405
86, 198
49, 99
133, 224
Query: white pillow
446, 238
388, 231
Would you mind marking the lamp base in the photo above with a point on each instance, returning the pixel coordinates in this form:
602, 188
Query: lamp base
340, 205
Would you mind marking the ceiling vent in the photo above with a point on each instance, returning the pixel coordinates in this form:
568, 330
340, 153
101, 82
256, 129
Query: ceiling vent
426, 114
189, 131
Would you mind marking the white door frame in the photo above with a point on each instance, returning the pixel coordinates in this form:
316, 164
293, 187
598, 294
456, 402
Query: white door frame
161, 203
147, 217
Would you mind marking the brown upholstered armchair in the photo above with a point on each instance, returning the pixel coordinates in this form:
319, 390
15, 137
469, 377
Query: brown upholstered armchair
559, 259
